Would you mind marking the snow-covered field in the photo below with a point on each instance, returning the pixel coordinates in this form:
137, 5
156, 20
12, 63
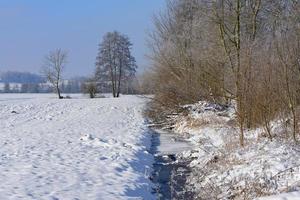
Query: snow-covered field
73, 148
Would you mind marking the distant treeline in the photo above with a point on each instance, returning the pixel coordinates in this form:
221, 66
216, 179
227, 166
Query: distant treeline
24, 82
70, 86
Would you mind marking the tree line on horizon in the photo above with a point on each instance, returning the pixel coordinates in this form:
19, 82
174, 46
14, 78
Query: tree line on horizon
67, 86
115, 72
25, 82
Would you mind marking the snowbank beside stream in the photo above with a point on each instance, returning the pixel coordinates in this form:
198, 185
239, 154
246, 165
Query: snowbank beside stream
224, 170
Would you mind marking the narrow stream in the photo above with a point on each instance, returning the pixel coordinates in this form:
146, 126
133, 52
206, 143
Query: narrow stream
170, 171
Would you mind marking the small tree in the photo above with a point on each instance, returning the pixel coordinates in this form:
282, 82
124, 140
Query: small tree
90, 87
53, 67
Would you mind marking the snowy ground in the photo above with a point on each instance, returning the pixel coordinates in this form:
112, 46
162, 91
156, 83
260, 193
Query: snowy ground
283, 196
224, 170
73, 148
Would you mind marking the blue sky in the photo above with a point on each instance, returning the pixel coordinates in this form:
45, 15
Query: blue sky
29, 29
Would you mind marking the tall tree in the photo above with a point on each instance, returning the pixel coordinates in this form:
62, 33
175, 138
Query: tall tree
53, 67
114, 62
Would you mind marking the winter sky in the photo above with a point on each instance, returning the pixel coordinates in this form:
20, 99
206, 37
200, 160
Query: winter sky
31, 28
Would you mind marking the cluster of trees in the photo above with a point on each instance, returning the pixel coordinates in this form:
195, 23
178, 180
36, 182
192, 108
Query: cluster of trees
115, 65
242, 51
115, 68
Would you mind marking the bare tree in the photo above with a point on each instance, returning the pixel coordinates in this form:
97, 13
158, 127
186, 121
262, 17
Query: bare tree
115, 64
222, 50
90, 87
53, 67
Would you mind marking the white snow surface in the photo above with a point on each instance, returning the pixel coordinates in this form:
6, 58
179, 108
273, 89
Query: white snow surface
169, 143
73, 148
284, 196
261, 168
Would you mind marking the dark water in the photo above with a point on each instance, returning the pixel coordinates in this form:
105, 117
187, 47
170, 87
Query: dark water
170, 174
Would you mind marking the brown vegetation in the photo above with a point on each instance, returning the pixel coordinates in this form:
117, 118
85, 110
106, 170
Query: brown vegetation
244, 52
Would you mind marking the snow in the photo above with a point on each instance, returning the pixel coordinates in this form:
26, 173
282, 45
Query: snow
169, 143
284, 196
261, 168
73, 148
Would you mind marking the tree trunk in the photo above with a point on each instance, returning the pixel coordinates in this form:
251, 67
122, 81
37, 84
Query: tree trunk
58, 91
112, 82
119, 78
294, 125
240, 99
241, 134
